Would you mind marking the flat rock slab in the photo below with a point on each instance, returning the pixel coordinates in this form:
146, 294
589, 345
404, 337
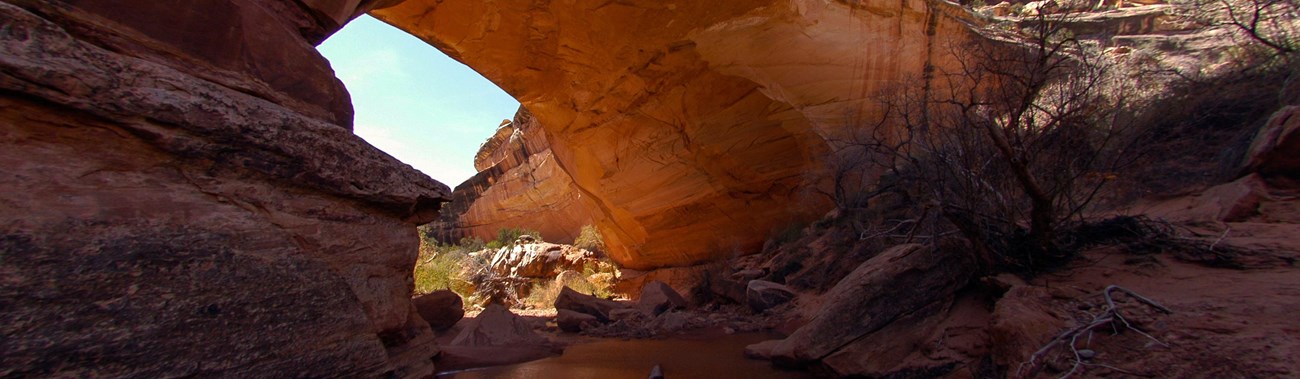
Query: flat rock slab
900, 280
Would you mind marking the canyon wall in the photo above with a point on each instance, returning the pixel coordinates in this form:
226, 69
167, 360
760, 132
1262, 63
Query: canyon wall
518, 185
182, 196
691, 130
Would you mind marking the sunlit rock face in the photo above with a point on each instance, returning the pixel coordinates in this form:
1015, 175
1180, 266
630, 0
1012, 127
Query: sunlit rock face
181, 196
519, 185
693, 129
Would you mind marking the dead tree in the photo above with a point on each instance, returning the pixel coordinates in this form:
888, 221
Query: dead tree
1016, 139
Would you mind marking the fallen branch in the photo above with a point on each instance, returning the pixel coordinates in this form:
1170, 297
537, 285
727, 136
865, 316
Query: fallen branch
1071, 337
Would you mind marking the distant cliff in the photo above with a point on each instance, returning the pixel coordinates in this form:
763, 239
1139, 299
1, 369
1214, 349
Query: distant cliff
518, 184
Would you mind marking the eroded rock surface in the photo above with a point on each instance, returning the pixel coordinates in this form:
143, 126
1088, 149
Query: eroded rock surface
539, 260
182, 197
519, 185
672, 120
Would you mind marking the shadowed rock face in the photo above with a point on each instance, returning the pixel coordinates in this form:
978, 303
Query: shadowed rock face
691, 130
180, 197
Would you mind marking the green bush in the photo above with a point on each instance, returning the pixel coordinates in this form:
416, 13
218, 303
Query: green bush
590, 239
452, 267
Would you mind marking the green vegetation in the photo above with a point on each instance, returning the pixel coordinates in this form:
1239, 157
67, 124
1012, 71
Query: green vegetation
449, 266
590, 239
464, 268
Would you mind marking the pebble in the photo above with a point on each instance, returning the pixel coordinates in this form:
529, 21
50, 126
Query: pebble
1087, 353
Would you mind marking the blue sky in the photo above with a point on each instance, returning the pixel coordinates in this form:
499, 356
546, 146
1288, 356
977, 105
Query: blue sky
414, 102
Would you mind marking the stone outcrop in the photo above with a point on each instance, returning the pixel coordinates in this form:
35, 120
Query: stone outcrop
539, 260
1273, 153
518, 185
181, 196
441, 309
762, 295
587, 304
497, 326
657, 298
574, 321
672, 120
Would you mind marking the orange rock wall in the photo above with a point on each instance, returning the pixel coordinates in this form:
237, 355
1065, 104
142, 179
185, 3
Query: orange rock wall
519, 185
692, 130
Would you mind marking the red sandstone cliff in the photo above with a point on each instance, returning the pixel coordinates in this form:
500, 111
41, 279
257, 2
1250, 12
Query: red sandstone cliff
519, 184
181, 196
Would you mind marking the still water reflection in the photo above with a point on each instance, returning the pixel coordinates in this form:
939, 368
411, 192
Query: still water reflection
712, 358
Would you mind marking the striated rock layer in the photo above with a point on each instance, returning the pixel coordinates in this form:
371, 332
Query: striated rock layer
180, 196
519, 184
691, 130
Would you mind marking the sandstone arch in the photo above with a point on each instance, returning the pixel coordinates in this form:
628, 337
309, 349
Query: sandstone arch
692, 130
182, 196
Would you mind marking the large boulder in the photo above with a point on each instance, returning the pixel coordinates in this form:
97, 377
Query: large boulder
1235, 201
722, 288
539, 260
657, 298
762, 295
1273, 152
497, 326
899, 281
689, 281
1022, 323
573, 322
587, 304
441, 309
495, 337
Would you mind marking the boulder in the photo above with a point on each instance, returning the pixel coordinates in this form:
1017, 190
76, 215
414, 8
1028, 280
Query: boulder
727, 289
441, 309
574, 322
497, 326
1274, 150
1022, 323
1040, 7
898, 281
1002, 9
885, 352
688, 281
657, 298
669, 322
587, 304
761, 350
762, 295
539, 260
747, 275
1235, 201
629, 314
496, 337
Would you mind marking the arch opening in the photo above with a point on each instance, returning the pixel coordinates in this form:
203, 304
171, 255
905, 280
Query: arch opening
413, 101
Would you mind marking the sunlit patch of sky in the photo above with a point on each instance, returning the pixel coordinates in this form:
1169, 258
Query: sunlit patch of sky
413, 102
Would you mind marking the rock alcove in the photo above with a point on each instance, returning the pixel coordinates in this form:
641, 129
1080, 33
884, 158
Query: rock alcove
182, 194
